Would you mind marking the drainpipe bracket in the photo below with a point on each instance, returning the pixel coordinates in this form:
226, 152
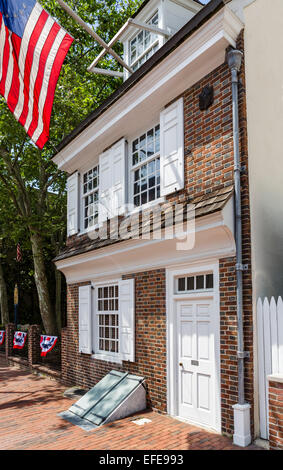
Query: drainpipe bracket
243, 354
242, 267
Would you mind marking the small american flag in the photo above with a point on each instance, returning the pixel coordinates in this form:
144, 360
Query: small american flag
19, 253
32, 50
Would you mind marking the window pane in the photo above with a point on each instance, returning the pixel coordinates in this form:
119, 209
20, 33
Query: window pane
190, 283
133, 55
151, 195
143, 171
143, 185
157, 139
135, 158
144, 198
181, 284
142, 154
142, 141
200, 282
151, 182
150, 150
151, 167
209, 281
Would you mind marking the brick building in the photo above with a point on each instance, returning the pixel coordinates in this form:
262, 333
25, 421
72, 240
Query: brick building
166, 140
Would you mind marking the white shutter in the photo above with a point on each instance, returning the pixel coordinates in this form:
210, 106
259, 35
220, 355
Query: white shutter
172, 148
85, 333
118, 165
127, 319
105, 187
73, 204
112, 181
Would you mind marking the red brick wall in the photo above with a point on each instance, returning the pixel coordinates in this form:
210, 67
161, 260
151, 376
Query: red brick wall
276, 415
209, 165
228, 341
150, 341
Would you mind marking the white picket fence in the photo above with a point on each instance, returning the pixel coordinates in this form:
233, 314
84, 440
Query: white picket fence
270, 351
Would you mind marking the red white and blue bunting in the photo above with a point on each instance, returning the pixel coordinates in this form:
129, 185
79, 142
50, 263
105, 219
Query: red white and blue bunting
19, 339
47, 343
2, 337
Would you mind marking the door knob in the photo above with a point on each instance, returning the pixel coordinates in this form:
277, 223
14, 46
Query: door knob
181, 364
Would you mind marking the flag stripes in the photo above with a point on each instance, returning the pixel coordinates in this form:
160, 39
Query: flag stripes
30, 66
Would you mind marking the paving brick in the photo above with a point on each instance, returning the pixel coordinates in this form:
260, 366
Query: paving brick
29, 405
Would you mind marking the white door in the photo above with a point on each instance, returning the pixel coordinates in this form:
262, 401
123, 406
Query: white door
196, 361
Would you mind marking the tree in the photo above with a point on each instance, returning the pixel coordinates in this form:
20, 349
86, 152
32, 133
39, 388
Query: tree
27, 175
3, 295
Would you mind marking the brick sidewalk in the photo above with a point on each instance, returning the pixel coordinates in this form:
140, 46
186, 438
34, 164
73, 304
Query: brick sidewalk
28, 420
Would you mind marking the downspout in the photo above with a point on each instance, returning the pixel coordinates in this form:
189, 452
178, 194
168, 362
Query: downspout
242, 435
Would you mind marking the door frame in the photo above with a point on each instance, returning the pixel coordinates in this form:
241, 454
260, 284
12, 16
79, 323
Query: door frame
171, 337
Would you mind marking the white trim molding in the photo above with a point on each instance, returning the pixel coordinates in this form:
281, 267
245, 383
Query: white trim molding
197, 56
275, 378
214, 238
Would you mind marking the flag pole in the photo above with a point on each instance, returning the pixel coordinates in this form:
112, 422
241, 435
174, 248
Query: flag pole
92, 33
16, 290
16, 304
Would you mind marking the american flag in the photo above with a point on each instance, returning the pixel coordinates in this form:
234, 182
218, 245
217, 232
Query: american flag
19, 253
32, 50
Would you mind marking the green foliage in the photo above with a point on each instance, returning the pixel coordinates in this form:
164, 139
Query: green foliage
32, 190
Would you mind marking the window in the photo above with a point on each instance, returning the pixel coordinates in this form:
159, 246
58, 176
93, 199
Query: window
144, 45
108, 319
145, 161
195, 283
90, 196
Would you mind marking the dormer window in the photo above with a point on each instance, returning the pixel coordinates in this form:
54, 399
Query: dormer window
148, 30
144, 44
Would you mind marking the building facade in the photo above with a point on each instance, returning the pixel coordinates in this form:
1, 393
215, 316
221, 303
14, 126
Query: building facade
165, 307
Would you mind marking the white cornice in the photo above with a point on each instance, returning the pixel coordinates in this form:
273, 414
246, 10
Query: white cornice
213, 239
192, 60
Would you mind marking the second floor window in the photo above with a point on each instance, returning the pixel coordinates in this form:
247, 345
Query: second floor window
90, 197
144, 45
145, 159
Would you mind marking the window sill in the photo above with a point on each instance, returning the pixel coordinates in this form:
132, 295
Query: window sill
107, 358
149, 205
90, 230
